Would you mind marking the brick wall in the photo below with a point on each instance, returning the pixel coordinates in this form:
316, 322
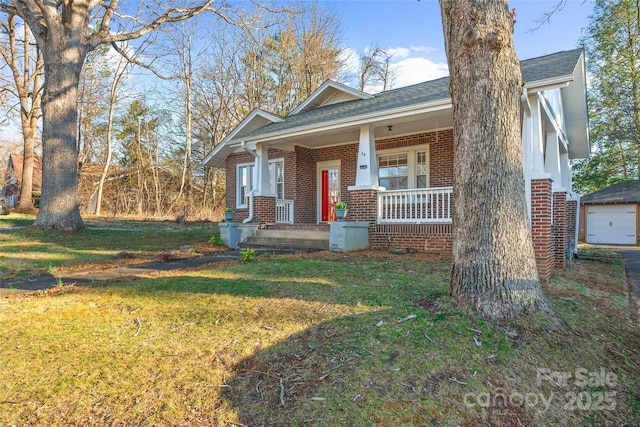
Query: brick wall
582, 224
560, 229
541, 226
430, 238
306, 190
572, 207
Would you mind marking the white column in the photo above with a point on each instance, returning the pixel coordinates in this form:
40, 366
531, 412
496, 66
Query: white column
537, 142
565, 171
552, 161
262, 187
367, 168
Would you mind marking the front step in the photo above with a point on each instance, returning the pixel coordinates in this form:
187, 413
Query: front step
287, 239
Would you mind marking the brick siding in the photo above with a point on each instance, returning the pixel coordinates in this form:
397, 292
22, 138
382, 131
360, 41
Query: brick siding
541, 226
572, 206
549, 228
582, 223
560, 229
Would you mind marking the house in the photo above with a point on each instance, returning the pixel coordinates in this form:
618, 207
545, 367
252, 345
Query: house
389, 156
610, 215
13, 179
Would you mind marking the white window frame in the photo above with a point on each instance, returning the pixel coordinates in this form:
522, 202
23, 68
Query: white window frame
412, 161
240, 203
272, 185
272, 174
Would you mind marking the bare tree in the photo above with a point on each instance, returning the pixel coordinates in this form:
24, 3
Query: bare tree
26, 64
66, 31
494, 268
375, 69
119, 73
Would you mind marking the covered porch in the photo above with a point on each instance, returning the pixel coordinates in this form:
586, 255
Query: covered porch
418, 206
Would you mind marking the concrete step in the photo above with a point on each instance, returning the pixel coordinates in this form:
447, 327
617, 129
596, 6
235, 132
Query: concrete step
281, 242
293, 234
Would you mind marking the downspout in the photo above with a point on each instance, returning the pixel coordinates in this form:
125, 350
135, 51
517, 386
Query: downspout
255, 156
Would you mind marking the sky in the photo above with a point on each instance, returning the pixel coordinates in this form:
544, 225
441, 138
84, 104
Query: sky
412, 31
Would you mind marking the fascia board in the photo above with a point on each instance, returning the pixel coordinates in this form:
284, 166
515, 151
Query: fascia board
354, 121
551, 83
220, 147
257, 112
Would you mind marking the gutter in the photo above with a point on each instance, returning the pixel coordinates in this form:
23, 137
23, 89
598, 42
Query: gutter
248, 219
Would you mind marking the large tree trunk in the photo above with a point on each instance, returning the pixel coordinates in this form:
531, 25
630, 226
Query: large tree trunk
494, 269
59, 202
26, 186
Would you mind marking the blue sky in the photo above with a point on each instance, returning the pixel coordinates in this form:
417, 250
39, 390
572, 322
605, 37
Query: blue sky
412, 31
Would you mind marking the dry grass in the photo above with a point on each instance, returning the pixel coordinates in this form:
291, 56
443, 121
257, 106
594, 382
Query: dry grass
312, 340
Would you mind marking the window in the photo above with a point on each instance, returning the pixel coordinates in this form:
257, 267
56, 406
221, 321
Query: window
422, 169
276, 178
393, 171
245, 181
245, 184
404, 169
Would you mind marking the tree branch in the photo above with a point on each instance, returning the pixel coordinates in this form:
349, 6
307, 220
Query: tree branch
139, 63
171, 15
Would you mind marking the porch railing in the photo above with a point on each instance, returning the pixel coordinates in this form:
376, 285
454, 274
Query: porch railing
421, 205
284, 211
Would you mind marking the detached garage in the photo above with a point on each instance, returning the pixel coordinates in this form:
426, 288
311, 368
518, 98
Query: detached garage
610, 216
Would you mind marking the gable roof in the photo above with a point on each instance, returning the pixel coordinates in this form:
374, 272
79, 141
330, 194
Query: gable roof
627, 192
330, 92
318, 113
14, 165
255, 120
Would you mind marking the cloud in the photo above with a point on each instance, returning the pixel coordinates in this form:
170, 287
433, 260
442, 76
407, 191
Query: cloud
413, 64
414, 70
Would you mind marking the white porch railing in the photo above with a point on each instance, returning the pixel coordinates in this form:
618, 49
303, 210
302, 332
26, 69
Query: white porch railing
421, 205
284, 211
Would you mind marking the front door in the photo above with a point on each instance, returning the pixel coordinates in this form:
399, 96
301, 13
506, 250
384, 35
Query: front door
329, 190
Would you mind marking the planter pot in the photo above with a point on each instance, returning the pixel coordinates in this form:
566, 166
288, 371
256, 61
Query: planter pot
341, 214
228, 216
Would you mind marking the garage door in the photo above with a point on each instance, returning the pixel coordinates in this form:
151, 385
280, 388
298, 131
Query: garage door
615, 224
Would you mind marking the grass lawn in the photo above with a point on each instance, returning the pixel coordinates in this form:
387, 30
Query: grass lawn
357, 339
25, 251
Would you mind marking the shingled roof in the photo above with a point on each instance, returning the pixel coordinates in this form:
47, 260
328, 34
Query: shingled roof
536, 69
628, 192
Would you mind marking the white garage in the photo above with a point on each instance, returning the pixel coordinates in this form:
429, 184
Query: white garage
610, 215
612, 224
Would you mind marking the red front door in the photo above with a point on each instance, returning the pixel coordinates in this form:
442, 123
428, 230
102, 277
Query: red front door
330, 193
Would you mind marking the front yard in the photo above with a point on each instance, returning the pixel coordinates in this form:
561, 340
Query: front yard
325, 339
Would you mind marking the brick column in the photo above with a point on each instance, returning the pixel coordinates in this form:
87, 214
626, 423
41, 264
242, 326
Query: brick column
572, 217
541, 228
582, 224
264, 209
363, 205
560, 229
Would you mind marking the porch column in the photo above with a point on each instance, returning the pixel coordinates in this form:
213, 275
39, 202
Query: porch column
367, 165
541, 226
264, 201
560, 238
552, 160
262, 187
537, 141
